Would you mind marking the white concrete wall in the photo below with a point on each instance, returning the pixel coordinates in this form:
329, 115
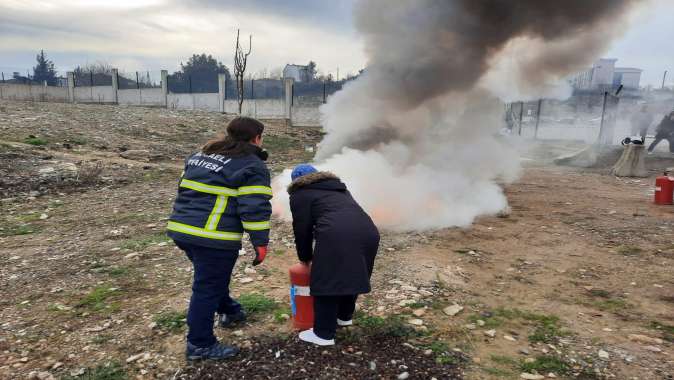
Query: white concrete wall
56, 94
33, 92
302, 115
305, 116
258, 108
142, 97
269, 108
206, 102
587, 134
131, 97
180, 101
95, 94
152, 97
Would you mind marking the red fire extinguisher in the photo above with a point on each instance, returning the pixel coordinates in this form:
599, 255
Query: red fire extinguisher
664, 190
301, 301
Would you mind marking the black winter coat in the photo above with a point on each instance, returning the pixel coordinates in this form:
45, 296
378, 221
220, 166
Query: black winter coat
666, 127
346, 238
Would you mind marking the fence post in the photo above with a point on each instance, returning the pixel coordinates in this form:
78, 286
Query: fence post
191, 94
115, 85
71, 86
601, 123
222, 91
288, 87
521, 116
538, 117
164, 86
140, 93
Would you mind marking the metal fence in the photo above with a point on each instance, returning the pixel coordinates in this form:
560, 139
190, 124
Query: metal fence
314, 92
592, 117
127, 80
18, 78
181, 83
86, 79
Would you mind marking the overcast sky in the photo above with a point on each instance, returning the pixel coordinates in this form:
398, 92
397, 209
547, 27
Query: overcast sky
159, 34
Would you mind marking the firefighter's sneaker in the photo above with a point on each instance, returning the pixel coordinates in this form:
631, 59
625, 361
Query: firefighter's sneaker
341, 323
217, 351
311, 337
229, 320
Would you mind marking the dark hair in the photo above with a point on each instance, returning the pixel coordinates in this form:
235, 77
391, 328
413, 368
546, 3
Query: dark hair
240, 132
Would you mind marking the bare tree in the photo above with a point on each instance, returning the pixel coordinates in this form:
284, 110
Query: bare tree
240, 60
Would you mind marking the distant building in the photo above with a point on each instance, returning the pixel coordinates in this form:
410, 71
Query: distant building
300, 73
627, 76
604, 75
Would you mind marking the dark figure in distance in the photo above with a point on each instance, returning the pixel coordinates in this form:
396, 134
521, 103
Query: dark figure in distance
664, 131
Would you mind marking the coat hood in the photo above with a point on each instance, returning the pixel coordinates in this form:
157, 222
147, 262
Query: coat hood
318, 180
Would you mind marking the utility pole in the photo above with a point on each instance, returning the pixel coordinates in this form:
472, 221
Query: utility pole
538, 117
664, 76
521, 115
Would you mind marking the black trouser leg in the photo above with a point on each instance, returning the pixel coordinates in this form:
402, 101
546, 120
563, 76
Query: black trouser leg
325, 316
345, 307
655, 143
212, 268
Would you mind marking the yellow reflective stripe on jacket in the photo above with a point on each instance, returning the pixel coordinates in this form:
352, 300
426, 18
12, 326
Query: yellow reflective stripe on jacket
216, 213
248, 190
202, 232
221, 190
256, 226
208, 189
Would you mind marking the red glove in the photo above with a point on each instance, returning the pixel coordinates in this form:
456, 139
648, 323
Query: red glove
260, 254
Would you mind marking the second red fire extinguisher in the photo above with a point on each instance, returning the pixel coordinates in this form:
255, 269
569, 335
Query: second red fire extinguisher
664, 190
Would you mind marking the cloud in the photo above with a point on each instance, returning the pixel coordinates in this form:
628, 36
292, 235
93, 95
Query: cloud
332, 14
157, 34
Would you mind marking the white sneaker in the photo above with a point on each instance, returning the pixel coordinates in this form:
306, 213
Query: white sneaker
309, 336
344, 323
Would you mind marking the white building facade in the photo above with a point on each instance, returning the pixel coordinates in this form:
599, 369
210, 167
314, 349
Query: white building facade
604, 75
299, 73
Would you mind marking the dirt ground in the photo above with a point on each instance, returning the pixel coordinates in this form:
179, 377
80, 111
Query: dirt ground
577, 281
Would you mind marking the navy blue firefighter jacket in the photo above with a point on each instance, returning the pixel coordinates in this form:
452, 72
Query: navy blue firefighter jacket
219, 197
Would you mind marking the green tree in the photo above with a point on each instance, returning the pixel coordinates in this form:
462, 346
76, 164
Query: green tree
44, 70
311, 71
202, 71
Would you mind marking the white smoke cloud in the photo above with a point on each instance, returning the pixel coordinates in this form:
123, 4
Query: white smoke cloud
416, 137
443, 173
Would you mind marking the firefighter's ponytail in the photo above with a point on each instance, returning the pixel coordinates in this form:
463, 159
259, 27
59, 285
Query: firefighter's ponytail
240, 132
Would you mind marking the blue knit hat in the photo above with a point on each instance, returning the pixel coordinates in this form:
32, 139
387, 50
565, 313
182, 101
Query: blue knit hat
302, 169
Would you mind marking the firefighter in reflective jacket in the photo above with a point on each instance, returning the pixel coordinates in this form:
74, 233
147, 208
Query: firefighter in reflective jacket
224, 191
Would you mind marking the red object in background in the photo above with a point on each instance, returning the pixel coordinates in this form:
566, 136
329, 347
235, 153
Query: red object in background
301, 301
664, 190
